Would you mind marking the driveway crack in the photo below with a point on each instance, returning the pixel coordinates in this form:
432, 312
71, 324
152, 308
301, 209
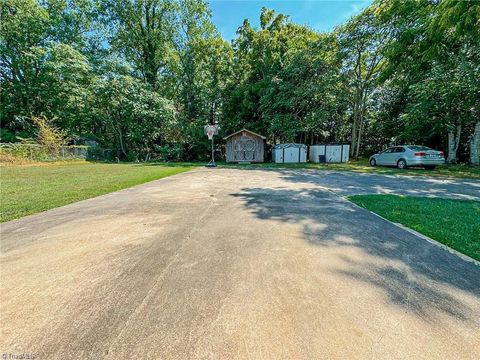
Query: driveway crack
160, 276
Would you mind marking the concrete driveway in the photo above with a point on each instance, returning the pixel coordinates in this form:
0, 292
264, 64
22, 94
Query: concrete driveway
231, 264
353, 183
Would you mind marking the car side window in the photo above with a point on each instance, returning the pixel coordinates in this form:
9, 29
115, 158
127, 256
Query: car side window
399, 149
388, 151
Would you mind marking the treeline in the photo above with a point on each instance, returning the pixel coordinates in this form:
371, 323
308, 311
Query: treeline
142, 77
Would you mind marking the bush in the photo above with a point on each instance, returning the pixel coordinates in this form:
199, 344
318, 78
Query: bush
24, 151
169, 152
98, 153
7, 136
20, 153
50, 138
9, 158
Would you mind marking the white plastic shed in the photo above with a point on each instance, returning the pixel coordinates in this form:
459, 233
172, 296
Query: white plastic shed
289, 153
329, 153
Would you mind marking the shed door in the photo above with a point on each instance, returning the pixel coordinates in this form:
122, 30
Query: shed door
244, 149
291, 155
333, 153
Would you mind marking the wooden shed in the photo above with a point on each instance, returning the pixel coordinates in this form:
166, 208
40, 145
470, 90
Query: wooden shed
245, 146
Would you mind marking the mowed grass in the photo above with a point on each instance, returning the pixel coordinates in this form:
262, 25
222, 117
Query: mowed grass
362, 166
29, 189
455, 223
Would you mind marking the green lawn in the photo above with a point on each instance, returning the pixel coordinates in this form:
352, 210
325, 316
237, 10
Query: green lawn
362, 166
30, 189
455, 223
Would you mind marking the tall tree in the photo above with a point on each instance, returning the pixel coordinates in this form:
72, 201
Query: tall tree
362, 40
130, 117
42, 68
261, 58
143, 32
305, 100
198, 78
457, 23
434, 58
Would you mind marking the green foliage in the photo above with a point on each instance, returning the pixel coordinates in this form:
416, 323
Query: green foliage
48, 137
130, 117
43, 70
19, 153
447, 96
8, 136
363, 42
203, 65
286, 82
169, 152
98, 153
16, 152
144, 77
174, 47
431, 76
143, 32
307, 96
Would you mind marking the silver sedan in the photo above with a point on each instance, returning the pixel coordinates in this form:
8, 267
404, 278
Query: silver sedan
404, 156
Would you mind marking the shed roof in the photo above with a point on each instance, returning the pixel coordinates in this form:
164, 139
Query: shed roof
289, 145
239, 131
331, 143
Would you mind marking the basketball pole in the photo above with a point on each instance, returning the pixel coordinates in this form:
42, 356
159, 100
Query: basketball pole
211, 130
213, 154
212, 160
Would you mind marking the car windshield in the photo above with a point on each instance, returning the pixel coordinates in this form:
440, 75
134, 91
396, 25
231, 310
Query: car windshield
418, 148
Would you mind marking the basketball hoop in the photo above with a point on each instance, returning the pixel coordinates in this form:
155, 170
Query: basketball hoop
210, 131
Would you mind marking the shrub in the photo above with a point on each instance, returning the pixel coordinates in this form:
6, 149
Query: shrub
50, 138
9, 158
20, 153
169, 152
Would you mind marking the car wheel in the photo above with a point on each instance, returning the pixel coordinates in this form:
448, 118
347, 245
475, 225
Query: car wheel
401, 164
430, 167
373, 162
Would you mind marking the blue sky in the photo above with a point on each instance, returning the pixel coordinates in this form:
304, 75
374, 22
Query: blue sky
321, 15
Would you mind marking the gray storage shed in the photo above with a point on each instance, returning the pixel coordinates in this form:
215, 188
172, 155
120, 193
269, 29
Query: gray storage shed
329, 153
289, 153
245, 146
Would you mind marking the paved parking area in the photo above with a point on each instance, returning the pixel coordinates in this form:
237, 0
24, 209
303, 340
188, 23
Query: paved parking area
353, 183
234, 264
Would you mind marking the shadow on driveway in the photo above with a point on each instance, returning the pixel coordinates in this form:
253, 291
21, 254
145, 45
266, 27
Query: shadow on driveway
415, 275
347, 183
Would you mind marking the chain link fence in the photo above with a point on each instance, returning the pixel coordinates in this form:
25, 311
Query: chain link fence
13, 152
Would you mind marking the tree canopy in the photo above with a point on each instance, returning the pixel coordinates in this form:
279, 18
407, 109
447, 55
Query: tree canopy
142, 77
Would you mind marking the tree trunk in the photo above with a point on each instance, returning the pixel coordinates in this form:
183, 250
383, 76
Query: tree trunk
355, 124
212, 113
354, 127
361, 124
453, 143
357, 101
475, 145
120, 138
359, 138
